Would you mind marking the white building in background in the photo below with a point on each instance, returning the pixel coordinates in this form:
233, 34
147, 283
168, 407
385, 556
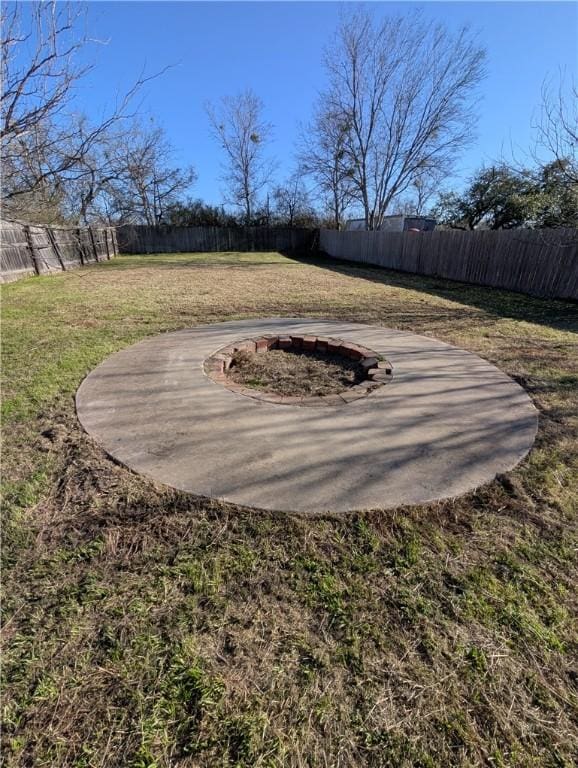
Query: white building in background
396, 223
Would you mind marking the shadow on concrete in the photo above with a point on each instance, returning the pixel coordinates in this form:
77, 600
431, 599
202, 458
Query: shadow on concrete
452, 423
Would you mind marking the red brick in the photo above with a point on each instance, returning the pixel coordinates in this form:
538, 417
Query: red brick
369, 362
352, 351
334, 346
226, 360
322, 344
309, 343
245, 346
272, 342
285, 342
297, 341
262, 345
376, 374
384, 365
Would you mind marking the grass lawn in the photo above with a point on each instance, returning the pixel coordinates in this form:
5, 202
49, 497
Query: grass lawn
144, 627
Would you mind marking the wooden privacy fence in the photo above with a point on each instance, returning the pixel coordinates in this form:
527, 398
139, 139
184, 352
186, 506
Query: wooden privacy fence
538, 262
167, 239
30, 249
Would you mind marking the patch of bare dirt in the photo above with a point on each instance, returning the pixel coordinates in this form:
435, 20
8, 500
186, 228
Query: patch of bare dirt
295, 373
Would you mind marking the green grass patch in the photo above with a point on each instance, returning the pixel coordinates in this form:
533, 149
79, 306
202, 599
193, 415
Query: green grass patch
143, 627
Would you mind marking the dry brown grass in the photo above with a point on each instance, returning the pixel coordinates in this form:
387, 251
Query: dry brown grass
144, 627
295, 373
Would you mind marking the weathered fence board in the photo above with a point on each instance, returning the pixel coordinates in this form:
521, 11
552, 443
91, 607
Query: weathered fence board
538, 262
166, 239
16, 256
29, 249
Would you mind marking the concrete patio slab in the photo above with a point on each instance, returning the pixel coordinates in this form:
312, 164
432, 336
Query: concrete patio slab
447, 423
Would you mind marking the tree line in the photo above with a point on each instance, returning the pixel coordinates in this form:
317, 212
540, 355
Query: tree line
399, 106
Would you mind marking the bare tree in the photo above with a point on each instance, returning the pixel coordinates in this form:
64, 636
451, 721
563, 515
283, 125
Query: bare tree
84, 194
37, 83
131, 179
43, 143
418, 194
557, 129
403, 90
423, 188
238, 125
322, 155
292, 205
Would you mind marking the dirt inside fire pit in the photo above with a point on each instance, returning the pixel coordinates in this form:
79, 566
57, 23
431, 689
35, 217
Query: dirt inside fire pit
290, 373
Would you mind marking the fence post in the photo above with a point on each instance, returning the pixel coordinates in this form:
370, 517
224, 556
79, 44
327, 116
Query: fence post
55, 247
80, 251
94, 248
30, 242
114, 241
106, 244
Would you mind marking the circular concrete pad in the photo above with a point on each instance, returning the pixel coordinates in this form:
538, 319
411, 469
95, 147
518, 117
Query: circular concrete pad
447, 423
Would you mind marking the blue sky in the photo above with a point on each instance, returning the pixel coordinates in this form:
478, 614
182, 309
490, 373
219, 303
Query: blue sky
276, 49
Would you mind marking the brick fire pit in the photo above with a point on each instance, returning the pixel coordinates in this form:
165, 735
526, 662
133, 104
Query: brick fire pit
375, 370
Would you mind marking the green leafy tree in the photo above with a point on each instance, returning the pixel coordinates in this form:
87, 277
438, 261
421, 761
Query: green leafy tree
558, 204
495, 198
